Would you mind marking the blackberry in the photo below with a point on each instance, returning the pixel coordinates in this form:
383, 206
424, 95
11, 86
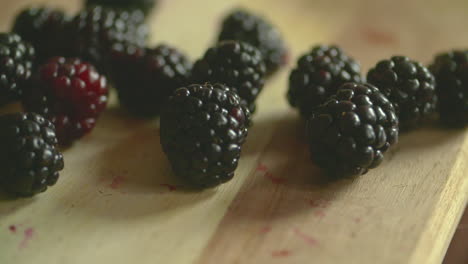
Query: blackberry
29, 156
409, 86
144, 5
145, 78
94, 31
44, 28
241, 25
16, 62
350, 132
451, 74
70, 93
318, 75
238, 65
203, 128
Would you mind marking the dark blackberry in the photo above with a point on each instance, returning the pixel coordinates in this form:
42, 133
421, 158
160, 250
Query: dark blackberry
242, 25
451, 74
145, 78
144, 5
238, 65
70, 93
29, 157
350, 132
203, 128
16, 62
318, 75
44, 28
409, 86
94, 31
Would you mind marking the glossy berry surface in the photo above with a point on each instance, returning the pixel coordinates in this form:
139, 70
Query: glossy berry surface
16, 62
238, 65
242, 25
318, 75
143, 5
29, 156
409, 86
145, 78
203, 128
350, 132
451, 72
44, 28
70, 93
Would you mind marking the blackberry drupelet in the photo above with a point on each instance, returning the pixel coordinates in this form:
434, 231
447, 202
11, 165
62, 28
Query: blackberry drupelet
318, 75
409, 86
238, 65
70, 93
242, 25
94, 31
144, 5
29, 156
16, 62
144, 79
350, 132
451, 74
44, 28
203, 128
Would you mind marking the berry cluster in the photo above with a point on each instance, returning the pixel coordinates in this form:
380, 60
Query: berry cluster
61, 67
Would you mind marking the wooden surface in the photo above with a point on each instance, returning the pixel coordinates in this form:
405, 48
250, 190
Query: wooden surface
117, 201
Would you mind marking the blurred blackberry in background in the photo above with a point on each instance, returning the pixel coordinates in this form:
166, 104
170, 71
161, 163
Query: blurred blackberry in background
94, 31
143, 5
70, 93
203, 128
318, 75
238, 65
29, 156
44, 28
145, 78
351, 131
409, 86
16, 62
242, 25
451, 73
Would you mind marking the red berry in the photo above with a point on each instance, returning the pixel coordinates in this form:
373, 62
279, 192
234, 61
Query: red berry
71, 93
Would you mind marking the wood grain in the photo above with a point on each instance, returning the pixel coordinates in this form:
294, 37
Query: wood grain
118, 202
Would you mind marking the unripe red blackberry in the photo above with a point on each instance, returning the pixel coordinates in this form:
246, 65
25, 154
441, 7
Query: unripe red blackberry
70, 93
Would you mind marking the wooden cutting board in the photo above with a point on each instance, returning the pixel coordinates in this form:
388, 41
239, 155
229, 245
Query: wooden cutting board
118, 202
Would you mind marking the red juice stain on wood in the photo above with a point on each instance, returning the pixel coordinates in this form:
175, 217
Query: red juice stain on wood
319, 203
273, 179
378, 37
261, 167
281, 253
319, 213
12, 228
265, 230
116, 182
170, 187
28, 235
308, 239
357, 220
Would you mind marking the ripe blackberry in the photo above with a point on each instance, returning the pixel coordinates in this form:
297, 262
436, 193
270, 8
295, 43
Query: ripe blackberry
29, 156
144, 79
241, 25
203, 128
16, 62
144, 5
94, 31
70, 93
451, 74
350, 132
409, 86
318, 75
238, 65
44, 28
